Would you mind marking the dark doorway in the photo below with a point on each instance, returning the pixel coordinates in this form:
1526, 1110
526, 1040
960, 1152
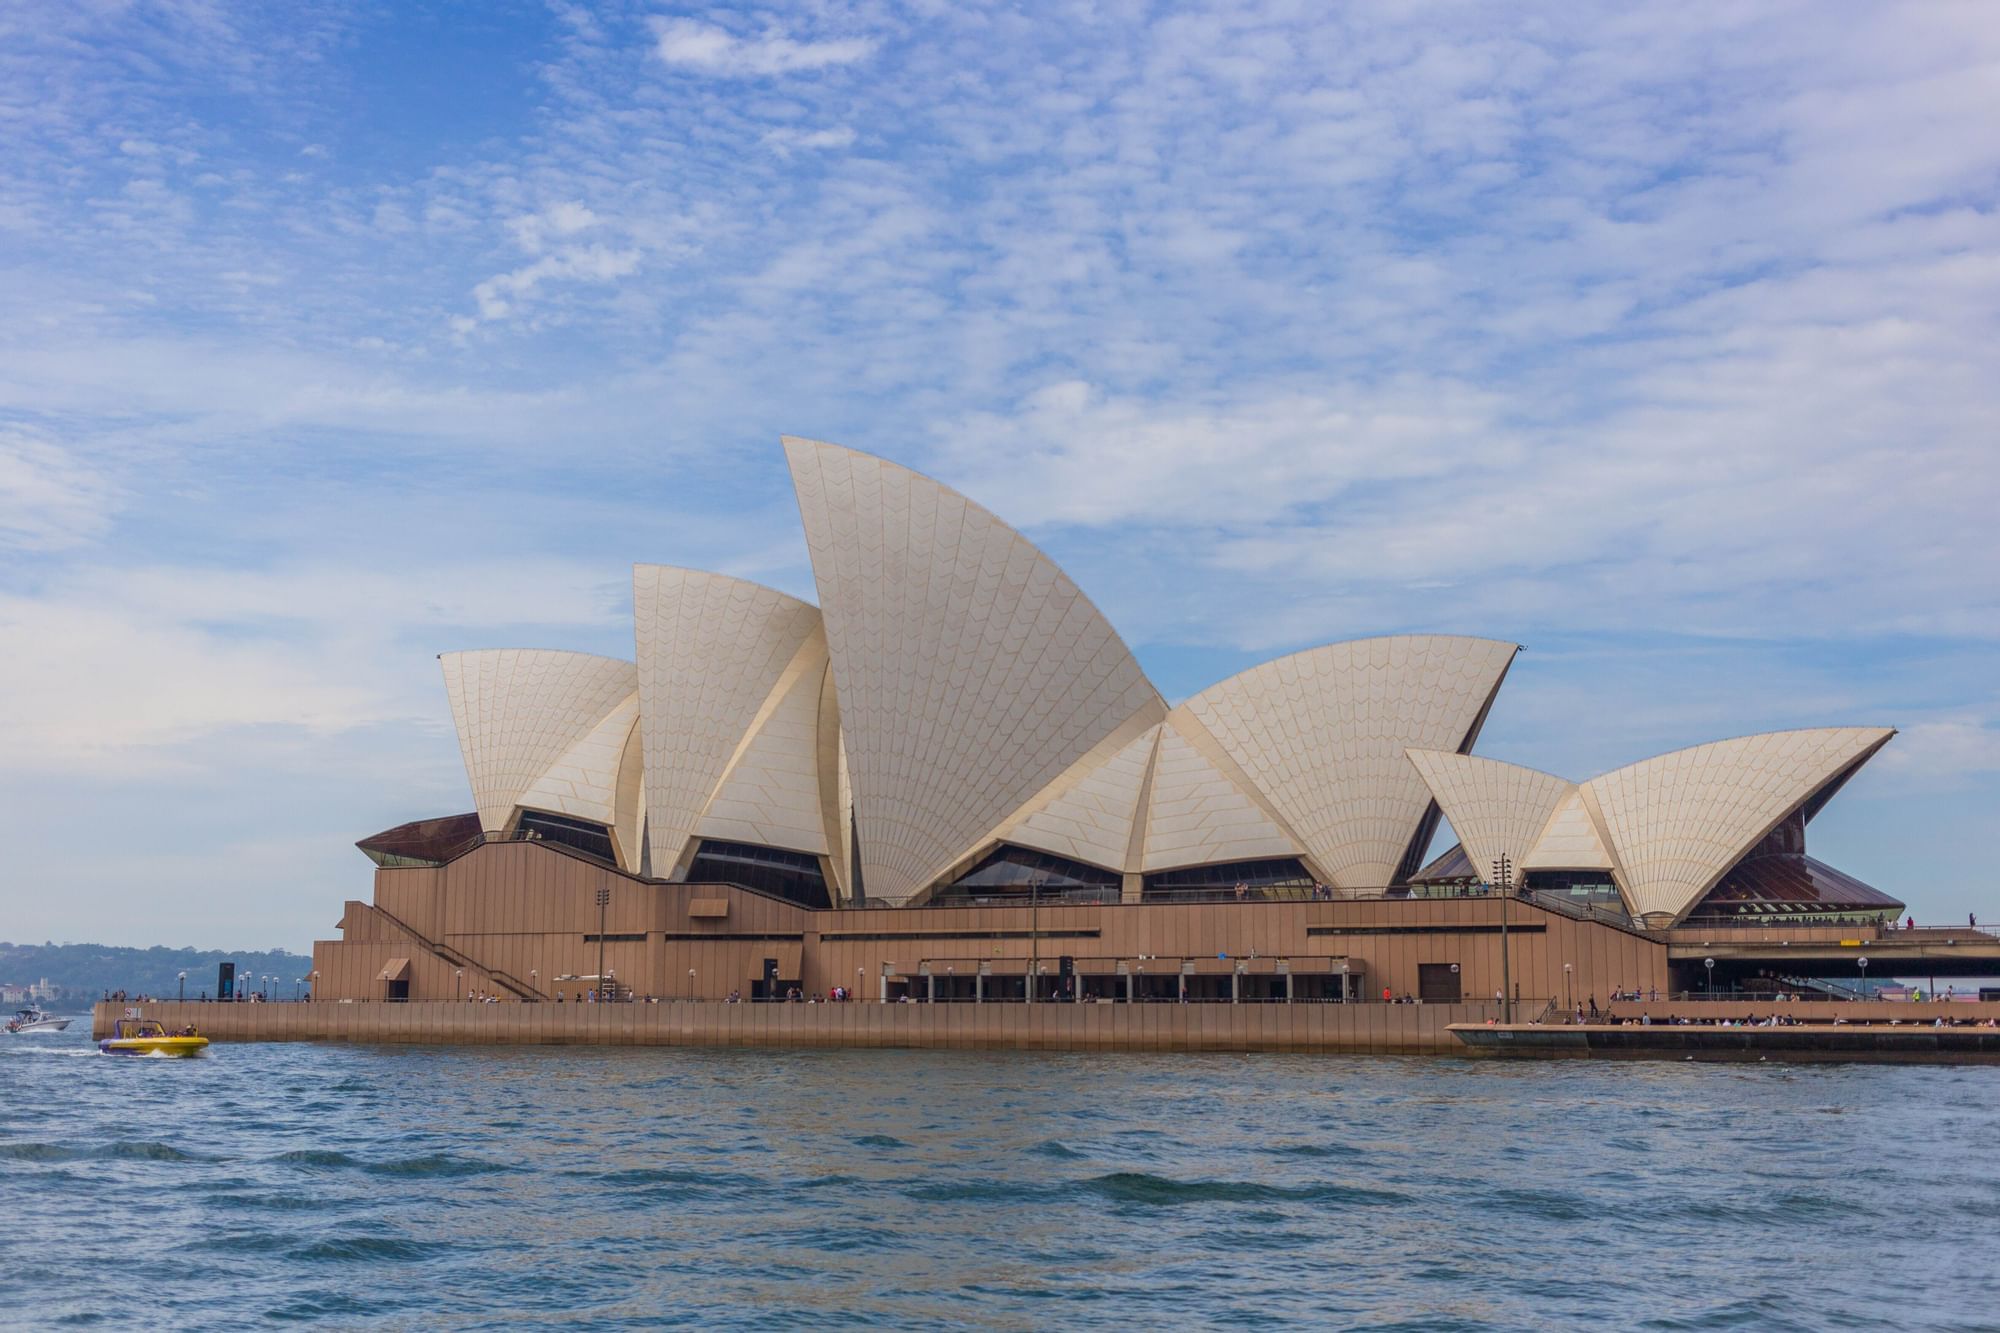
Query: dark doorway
1437, 983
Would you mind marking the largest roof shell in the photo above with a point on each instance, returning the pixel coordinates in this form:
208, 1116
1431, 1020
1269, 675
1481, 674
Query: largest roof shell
971, 671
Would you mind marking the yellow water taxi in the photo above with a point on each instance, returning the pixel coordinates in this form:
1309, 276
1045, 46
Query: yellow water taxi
149, 1036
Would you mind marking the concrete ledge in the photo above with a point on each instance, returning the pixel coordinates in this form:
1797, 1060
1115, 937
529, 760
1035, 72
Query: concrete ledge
1375, 1029
1810, 1042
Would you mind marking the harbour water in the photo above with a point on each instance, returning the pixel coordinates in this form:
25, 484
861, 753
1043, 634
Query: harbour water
421, 1187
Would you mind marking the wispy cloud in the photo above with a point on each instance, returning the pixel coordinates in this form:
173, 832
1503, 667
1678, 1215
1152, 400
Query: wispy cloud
49, 499
785, 140
708, 49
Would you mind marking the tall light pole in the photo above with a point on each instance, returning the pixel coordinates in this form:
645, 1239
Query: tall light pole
1034, 936
1709, 963
1565, 985
1503, 880
315, 981
603, 903
1863, 960
184, 985
298, 988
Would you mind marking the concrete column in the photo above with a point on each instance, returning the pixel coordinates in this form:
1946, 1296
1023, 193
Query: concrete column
930, 987
1288, 985
1236, 986
1183, 982
1129, 988
979, 987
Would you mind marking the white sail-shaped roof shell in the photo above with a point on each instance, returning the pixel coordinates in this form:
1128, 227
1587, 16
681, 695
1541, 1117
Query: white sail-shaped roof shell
541, 721
972, 673
1677, 823
593, 781
720, 657
770, 793
1092, 812
1322, 738
1496, 809
1570, 840
1197, 814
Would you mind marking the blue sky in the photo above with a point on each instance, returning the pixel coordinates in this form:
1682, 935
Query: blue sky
1659, 339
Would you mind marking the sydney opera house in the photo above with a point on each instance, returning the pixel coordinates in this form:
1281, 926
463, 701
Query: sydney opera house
951, 780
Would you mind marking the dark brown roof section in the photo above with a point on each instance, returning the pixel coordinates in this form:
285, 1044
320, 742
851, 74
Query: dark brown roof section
1778, 878
422, 842
1453, 867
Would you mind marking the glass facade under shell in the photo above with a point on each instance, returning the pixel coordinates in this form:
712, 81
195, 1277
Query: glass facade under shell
593, 840
793, 876
1017, 874
1277, 877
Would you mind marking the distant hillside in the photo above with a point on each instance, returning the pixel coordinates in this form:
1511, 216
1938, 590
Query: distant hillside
85, 971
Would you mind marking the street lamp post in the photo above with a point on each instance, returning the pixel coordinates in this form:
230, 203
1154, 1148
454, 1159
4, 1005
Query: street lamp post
184, 985
315, 981
1565, 985
458, 982
1863, 961
860, 981
1034, 936
1709, 963
1503, 880
691, 989
603, 903
298, 988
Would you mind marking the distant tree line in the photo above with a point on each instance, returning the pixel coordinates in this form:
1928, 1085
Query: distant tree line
86, 971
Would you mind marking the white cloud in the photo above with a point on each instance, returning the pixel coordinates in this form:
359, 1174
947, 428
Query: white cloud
691, 44
498, 296
1945, 747
50, 500
787, 139
154, 660
559, 219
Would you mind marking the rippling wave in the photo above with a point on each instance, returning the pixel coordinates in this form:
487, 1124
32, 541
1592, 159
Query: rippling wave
398, 1187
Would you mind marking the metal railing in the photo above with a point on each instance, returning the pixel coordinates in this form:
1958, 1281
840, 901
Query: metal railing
1892, 930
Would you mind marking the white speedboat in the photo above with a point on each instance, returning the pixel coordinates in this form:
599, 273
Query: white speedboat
34, 1020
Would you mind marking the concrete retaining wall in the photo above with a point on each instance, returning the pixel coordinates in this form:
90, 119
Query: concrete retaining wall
1379, 1029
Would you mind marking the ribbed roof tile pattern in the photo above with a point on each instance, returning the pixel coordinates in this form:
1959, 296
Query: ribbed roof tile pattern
1323, 735
520, 710
770, 795
711, 650
1090, 819
584, 783
1495, 808
1198, 816
971, 671
1678, 821
1570, 841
